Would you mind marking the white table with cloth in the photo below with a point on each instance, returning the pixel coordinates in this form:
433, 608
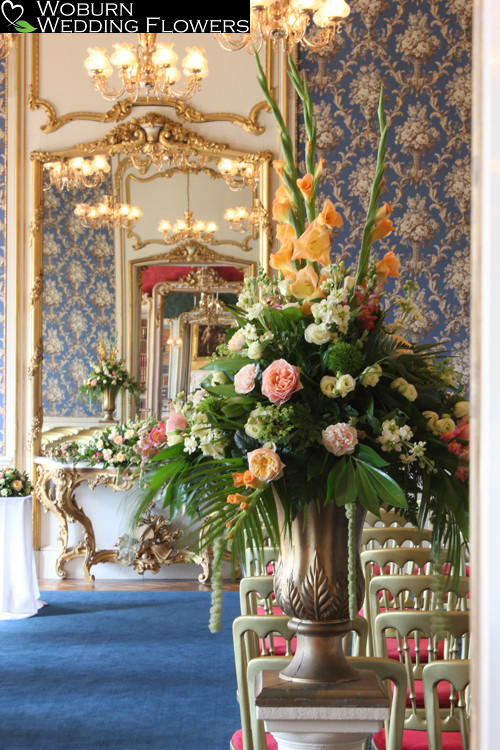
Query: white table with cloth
19, 592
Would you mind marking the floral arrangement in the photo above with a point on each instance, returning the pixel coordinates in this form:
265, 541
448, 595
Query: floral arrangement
14, 483
108, 371
118, 446
321, 395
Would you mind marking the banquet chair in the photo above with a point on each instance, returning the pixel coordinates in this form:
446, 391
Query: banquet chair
391, 561
448, 637
373, 537
252, 735
449, 732
386, 518
416, 592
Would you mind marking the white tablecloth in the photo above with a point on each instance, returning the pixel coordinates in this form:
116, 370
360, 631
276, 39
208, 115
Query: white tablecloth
19, 592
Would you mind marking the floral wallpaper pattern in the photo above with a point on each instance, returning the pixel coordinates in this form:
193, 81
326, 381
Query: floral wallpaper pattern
78, 300
421, 51
3, 185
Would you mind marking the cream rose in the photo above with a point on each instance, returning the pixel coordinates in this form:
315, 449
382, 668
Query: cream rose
236, 342
340, 439
345, 384
432, 417
173, 439
280, 381
371, 376
244, 380
445, 424
265, 464
405, 388
317, 334
219, 378
17, 485
327, 385
461, 409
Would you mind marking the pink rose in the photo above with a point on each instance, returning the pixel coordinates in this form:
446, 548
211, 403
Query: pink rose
280, 381
119, 439
244, 380
93, 382
340, 438
176, 421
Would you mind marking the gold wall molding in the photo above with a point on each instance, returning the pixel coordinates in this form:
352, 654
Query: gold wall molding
123, 108
36, 360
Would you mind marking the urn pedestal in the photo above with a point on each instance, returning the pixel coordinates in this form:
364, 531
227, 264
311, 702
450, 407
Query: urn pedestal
109, 404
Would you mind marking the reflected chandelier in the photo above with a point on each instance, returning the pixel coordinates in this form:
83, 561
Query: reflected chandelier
243, 219
313, 23
238, 174
146, 70
108, 214
187, 228
209, 307
76, 173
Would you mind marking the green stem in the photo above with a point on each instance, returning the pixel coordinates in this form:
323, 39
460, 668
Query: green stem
350, 511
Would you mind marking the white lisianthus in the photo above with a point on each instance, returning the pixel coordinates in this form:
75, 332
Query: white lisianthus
236, 342
405, 388
327, 385
349, 282
129, 434
345, 384
370, 376
219, 378
317, 334
173, 439
432, 418
99, 445
253, 427
254, 350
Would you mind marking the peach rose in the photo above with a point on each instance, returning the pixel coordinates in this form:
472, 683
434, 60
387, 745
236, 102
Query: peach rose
176, 421
244, 380
265, 464
340, 438
280, 381
17, 485
118, 439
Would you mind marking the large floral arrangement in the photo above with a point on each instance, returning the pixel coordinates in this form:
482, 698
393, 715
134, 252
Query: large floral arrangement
108, 371
325, 398
14, 483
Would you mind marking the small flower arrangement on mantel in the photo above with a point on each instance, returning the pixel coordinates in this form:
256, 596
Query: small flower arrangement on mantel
14, 483
324, 399
107, 377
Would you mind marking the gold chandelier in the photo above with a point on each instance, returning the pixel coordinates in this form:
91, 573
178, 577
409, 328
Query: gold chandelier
238, 174
108, 214
147, 69
7, 43
187, 228
313, 23
76, 173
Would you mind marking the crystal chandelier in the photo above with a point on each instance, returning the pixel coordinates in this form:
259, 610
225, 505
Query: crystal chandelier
243, 219
209, 307
162, 161
146, 70
313, 23
7, 43
187, 228
108, 214
76, 173
239, 174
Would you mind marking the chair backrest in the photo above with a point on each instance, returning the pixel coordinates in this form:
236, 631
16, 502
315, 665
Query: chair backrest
256, 591
373, 537
391, 561
386, 518
247, 669
418, 592
456, 719
258, 561
446, 635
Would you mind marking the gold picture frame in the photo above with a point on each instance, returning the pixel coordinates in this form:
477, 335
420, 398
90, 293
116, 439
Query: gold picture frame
205, 338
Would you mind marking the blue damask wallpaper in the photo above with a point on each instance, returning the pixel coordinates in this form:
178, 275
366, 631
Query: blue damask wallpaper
3, 185
78, 300
421, 51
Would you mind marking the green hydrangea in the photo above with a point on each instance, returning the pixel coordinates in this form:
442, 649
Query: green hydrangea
344, 357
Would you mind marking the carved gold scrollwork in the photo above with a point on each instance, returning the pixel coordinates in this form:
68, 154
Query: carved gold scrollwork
36, 427
36, 360
36, 289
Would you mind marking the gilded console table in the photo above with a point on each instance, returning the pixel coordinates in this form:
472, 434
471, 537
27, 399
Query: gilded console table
153, 539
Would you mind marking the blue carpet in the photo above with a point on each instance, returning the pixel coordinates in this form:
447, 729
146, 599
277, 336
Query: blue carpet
111, 669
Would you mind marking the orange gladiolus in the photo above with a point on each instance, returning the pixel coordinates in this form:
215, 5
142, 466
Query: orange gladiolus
305, 185
329, 216
382, 229
246, 479
306, 284
388, 266
314, 244
282, 204
281, 260
236, 499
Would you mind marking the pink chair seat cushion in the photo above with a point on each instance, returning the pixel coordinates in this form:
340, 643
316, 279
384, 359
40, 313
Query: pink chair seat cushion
237, 741
276, 610
415, 740
443, 693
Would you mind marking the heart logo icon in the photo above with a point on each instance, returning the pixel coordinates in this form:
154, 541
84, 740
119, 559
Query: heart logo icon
10, 10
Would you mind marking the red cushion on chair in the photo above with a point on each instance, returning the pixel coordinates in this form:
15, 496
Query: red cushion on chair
415, 740
393, 653
443, 693
237, 741
276, 611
